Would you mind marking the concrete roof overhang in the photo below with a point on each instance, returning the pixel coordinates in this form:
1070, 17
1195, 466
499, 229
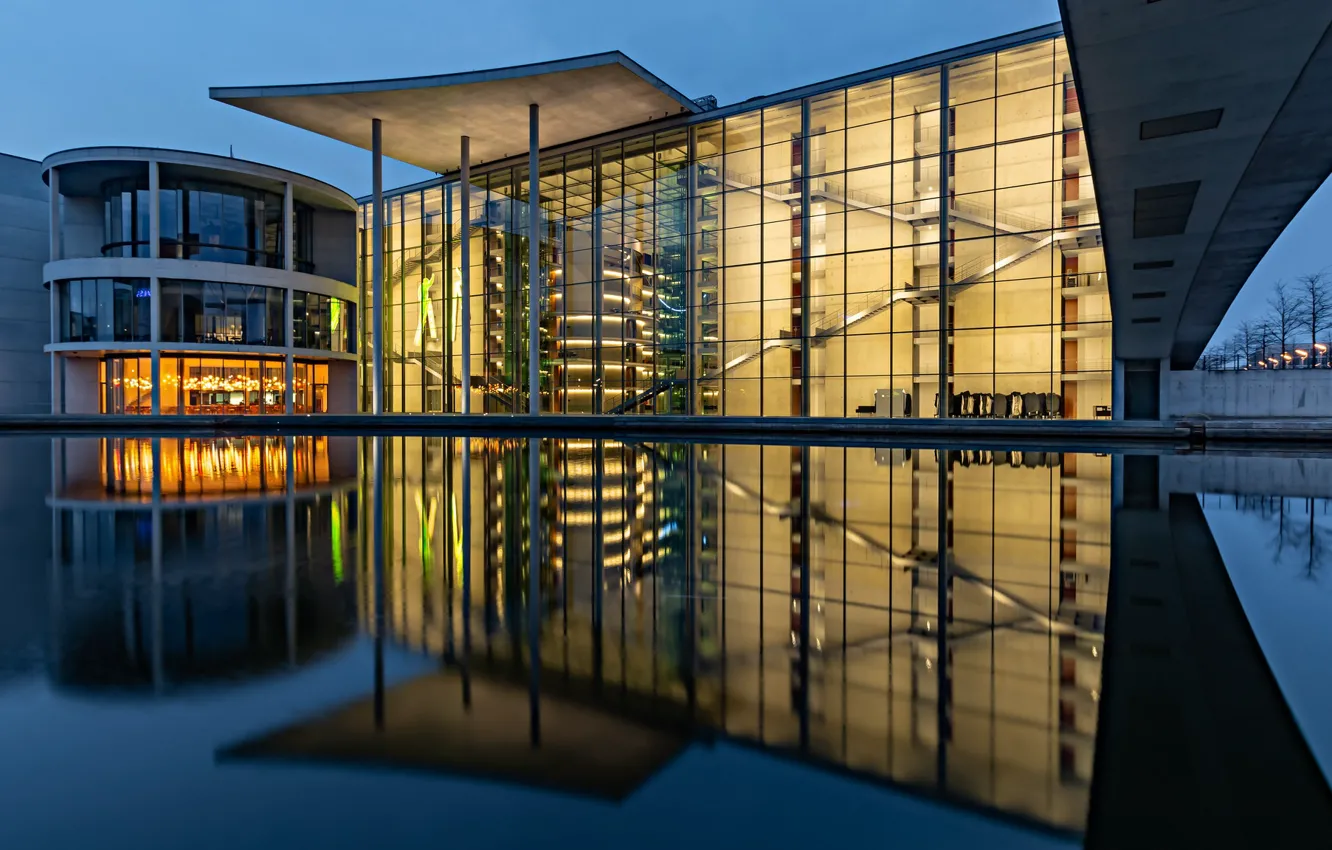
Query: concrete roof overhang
423, 117
1177, 252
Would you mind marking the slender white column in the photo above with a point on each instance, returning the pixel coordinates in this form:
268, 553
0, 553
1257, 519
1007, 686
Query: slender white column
533, 260
154, 211
155, 337
465, 262
288, 228
377, 268
289, 364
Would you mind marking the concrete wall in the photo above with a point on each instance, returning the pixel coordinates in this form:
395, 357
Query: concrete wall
1259, 394
25, 318
334, 244
1268, 475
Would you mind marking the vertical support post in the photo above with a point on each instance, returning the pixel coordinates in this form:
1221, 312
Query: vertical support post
598, 289
465, 264
692, 333
945, 243
377, 267
56, 365
289, 360
533, 260
806, 338
534, 583
288, 228
154, 210
155, 340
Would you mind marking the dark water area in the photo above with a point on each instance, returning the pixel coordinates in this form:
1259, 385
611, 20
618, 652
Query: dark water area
323, 641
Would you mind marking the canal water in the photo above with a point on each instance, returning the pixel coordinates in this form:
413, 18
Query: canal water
276, 641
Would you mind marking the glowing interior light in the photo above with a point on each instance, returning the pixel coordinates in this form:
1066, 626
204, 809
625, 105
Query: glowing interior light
427, 317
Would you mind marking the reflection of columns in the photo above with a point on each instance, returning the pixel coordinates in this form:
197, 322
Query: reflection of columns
941, 617
377, 268
377, 559
465, 290
159, 671
533, 260
534, 582
945, 242
466, 532
291, 550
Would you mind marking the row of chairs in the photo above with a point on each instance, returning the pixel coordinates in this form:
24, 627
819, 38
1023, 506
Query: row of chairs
969, 405
1030, 460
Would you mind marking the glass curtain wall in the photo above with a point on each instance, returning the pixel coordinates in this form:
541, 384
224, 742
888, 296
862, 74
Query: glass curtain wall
688, 577
785, 261
210, 385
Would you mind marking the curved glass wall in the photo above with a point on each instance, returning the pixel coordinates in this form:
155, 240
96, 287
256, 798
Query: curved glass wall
210, 385
245, 314
105, 310
211, 221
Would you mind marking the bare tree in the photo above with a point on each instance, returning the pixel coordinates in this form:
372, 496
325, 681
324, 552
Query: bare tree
1284, 315
1315, 304
1248, 340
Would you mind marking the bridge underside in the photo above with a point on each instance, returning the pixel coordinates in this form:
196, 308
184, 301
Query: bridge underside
1207, 136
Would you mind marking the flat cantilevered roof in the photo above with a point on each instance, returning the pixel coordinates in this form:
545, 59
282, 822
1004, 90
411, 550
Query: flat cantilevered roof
423, 117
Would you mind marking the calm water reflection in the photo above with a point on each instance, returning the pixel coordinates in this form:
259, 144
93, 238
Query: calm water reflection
788, 601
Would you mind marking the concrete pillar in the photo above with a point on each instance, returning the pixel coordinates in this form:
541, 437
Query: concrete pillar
289, 341
944, 240
533, 260
288, 228
154, 222
806, 351
465, 263
54, 178
377, 267
155, 326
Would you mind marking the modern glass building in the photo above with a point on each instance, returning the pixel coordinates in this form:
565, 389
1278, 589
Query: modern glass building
831, 251
185, 283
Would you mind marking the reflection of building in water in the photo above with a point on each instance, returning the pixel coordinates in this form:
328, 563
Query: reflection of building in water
177, 561
789, 596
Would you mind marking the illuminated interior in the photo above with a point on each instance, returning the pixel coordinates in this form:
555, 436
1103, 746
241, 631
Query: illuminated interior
211, 385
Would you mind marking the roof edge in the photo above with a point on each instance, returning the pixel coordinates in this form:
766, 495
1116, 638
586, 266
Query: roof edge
226, 94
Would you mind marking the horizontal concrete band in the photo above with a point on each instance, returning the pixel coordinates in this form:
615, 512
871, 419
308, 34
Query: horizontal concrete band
1085, 435
899, 432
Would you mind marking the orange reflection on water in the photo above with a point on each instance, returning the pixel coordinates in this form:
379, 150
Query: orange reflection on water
213, 466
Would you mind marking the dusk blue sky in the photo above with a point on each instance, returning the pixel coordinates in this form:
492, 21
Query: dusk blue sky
84, 72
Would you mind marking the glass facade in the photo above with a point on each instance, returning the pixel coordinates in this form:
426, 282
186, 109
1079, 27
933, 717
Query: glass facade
105, 310
794, 259
701, 581
245, 314
216, 222
210, 385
